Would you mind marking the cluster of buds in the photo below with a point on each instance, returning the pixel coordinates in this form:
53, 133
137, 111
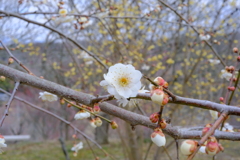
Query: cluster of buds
188, 147
157, 94
82, 21
158, 137
154, 118
230, 69
212, 146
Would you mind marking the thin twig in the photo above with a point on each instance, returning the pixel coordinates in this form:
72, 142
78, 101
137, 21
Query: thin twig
177, 148
209, 133
95, 156
13, 57
167, 153
9, 103
149, 147
60, 33
61, 119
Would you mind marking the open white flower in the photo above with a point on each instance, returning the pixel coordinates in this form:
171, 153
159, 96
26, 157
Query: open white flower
145, 67
227, 128
214, 61
77, 147
46, 96
63, 12
2, 143
82, 115
226, 75
204, 37
122, 81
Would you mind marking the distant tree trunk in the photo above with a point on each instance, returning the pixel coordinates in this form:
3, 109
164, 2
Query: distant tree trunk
134, 142
101, 133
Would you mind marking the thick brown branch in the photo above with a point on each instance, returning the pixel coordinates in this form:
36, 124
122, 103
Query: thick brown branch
132, 118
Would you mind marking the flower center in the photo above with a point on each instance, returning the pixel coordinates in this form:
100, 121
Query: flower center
123, 81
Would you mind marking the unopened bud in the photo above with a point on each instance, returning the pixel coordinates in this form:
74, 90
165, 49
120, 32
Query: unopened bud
154, 117
235, 50
158, 137
238, 58
206, 129
114, 125
212, 146
2, 78
165, 99
10, 60
163, 124
74, 136
188, 147
157, 96
221, 99
159, 80
62, 101
98, 122
41, 77
231, 88
96, 108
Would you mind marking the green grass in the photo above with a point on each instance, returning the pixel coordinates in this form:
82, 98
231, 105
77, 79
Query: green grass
51, 150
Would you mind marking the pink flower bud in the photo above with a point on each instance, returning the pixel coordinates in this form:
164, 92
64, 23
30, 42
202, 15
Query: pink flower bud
98, 122
96, 108
188, 147
154, 117
160, 81
10, 60
212, 146
206, 129
165, 99
158, 137
221, 99
157, 96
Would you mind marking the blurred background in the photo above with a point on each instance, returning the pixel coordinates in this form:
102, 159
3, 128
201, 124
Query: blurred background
146, 34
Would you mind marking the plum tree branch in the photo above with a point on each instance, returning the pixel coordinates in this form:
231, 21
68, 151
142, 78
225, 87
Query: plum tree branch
132, 118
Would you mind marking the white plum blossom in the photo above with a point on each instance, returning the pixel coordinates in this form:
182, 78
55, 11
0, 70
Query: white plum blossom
77, 147
122, 81
226, 75
227, 127
83, 19
214, 61
204, 37
188, 147
2, 143
214, 114
63, 12
82, 115
46, 96
145, 67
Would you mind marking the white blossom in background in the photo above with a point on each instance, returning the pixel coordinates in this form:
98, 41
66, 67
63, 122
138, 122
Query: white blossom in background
214, 114
2, 143
227, 127
46, 96
77, 147
83, 19
122, 81
204, 37
145, 67
225, 74
65, 19
63, 12
214, 61
82, 115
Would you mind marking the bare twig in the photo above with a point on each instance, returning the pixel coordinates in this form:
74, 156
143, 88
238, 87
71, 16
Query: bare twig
177, 148
18, 61
64, 148
209, 133
9, 103
60, 33
149, 147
